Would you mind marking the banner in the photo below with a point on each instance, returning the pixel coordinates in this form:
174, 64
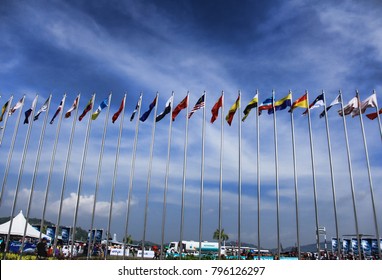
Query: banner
51, 231
91, 234
354, 245
98, 237
366, 246
65, 231
374, 246
334, 245
346, 245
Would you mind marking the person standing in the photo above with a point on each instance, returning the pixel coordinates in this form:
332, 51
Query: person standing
41, 249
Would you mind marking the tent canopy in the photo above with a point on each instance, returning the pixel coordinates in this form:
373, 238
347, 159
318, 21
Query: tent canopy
18, 226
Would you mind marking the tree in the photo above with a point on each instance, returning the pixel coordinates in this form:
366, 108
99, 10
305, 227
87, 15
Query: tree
224, 237
128, 239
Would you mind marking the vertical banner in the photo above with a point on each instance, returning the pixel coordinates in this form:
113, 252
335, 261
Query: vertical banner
51, 231
366, 246
91, 234
65, 231
374, 246
334, 245
98, 237
346, 245
354, 246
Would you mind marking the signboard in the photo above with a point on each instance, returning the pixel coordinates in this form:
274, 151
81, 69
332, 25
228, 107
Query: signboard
119, 252
354, 245
65, 234
147, 254
334, 244
346, 245
51, 231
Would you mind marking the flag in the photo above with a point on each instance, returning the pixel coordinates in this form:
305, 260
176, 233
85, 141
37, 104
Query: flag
232, 111
318, 102
371, 101
71, 109
199, 104
116, 114
101, 106
3, 109
300, 102
266, 105
88, 107
43, 108
30, 110
336, 101
147, 113
252, 104
215, 109
17, 106
136, 108
182, 105
57, 111
353, 104
166, 110
374, 115
282, 103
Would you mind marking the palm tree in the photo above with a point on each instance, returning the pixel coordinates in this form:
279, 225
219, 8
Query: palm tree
223, 235
128, 239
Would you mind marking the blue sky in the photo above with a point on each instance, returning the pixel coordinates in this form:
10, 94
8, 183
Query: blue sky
57, 47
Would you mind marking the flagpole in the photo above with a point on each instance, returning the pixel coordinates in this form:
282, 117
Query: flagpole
314, 178
82, 168
58, 129
332, 175
277, 175
149, 175
258, 178
370, 180
99, 173
350, 172
20, 173
132, 170
166, 178
10, 153
377, 112
221, 173
35, 171
202, 178
115, 168
295, 182
6, 119
239, 181
68, 157
184, 181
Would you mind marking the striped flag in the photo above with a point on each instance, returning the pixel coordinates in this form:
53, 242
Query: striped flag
336, 101
199, 104
136, 108
71, 109
318, 102
88, 107
166, 110
3, 109
101, 106
58, 110
232, 110
17, 106
30, 110
300, 102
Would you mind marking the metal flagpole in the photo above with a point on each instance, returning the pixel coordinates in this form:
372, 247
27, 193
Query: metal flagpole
149, 175
277, 175
52, 165
6, 119
350, 172
370, 181
166, 179
20, 173
184, 181
35, 171
295, 182
99, 175
82, 168
202, 178
239, 182
314, 177
68, 156
377, 112
132, 170
116, 168
332, 175
10, 153
221, 172
258, 177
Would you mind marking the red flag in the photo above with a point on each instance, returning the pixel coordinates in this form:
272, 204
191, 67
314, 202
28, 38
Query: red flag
88, 107
116, 115
182, 105
215, 109
74, 106
374, 115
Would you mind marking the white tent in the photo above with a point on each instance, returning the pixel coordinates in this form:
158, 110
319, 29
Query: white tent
18, 226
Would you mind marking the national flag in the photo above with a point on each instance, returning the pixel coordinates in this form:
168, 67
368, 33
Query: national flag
88, 107
282, 103
374, 115
71, 109
199, 104
252, 104
151, 107
300, 102
371, 101
336, 101
116, 114
43, 108
29, 111
318, 102
232, 110
136, 108
215, 109
182, 105
353, 104
17, 106
58, 110
3, 109
266, 105
166, 110
101, 106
